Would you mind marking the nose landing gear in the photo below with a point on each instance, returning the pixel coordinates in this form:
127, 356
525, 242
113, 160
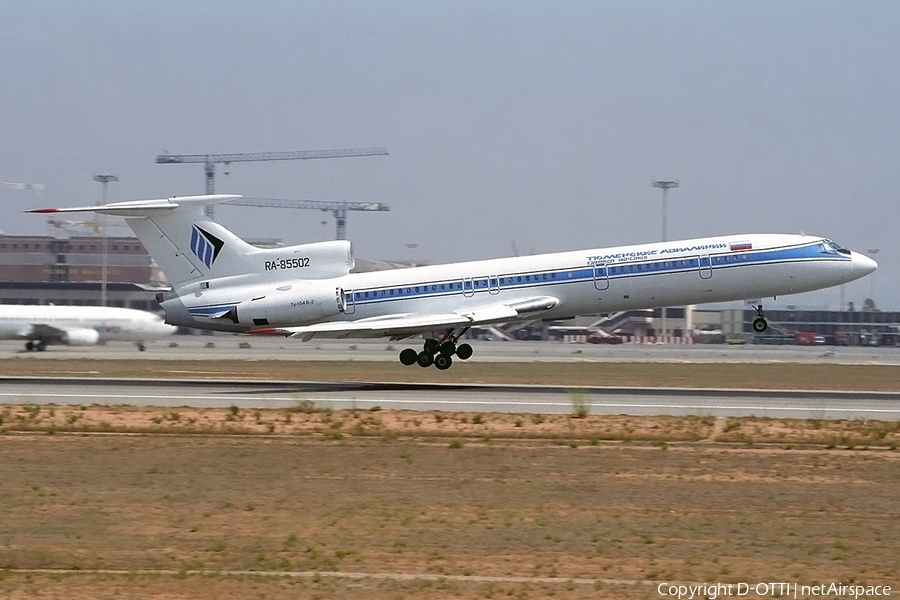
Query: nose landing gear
759, 323
438, 353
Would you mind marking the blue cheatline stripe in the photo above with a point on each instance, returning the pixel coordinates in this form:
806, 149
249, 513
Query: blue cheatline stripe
616, 271
208, 310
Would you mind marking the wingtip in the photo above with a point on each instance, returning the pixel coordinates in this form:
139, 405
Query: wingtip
269, 331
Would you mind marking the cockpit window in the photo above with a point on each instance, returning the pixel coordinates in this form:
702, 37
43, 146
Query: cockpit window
829, 247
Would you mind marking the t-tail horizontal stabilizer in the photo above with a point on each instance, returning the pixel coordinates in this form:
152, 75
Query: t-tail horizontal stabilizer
145, 208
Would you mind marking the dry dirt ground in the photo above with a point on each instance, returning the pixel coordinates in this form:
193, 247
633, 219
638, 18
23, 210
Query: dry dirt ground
276, 515
112, 502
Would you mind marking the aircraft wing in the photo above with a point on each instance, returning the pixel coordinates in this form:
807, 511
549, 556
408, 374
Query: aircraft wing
50, 334
44, 332
403, 325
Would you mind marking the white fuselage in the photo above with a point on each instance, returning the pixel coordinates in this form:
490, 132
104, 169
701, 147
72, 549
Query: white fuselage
604, 280
57, 324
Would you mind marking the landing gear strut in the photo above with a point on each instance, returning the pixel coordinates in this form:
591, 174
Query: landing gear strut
438, 352
759, 323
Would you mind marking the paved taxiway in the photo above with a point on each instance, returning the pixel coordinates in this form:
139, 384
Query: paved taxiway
450, 397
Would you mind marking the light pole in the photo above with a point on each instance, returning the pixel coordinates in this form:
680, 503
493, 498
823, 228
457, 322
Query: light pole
665, 185
873, 252
104, 181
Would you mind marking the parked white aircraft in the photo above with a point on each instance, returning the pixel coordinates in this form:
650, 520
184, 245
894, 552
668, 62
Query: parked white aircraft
220, 282
41, 325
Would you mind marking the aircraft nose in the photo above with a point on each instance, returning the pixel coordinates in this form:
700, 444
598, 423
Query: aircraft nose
863, 265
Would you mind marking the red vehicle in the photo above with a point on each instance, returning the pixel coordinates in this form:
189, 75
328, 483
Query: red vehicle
597, 338
805, 338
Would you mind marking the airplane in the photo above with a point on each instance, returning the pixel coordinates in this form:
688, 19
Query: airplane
42, 325
305, 291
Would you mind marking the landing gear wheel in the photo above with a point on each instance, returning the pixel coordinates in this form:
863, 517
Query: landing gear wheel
29, 346
464, 351
443, 362
41, 346
408, 357
760, 325
424, 359
431, 346
141, 347
447, 349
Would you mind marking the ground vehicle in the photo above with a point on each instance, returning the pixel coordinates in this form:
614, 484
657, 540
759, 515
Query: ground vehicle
805, 338
604, 338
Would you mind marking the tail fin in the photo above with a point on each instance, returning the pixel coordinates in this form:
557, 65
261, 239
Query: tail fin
188, 246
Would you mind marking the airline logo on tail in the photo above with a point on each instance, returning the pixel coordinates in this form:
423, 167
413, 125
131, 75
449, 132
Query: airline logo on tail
205, 246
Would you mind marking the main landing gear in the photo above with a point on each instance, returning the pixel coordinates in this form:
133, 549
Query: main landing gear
759, 323
437, 353
38, 345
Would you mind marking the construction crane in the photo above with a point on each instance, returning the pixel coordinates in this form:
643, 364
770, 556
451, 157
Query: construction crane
338, 209
210, 160
13, 185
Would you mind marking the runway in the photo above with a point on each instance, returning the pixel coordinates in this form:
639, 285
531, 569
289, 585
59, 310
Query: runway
243, 347
455, 397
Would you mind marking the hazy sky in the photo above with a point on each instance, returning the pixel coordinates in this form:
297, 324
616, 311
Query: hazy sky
536, 122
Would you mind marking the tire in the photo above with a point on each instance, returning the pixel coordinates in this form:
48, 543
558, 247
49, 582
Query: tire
447, 349
431, 346
760, 325
408, 357
464, 351
443, 362
424, 359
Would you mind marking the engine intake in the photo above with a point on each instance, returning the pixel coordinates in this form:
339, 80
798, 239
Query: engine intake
81, 337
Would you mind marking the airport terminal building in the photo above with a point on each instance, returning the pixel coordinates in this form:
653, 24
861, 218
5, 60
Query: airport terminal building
68, 271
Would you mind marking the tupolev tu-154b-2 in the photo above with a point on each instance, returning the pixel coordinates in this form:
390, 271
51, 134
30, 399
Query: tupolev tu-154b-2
222, 283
